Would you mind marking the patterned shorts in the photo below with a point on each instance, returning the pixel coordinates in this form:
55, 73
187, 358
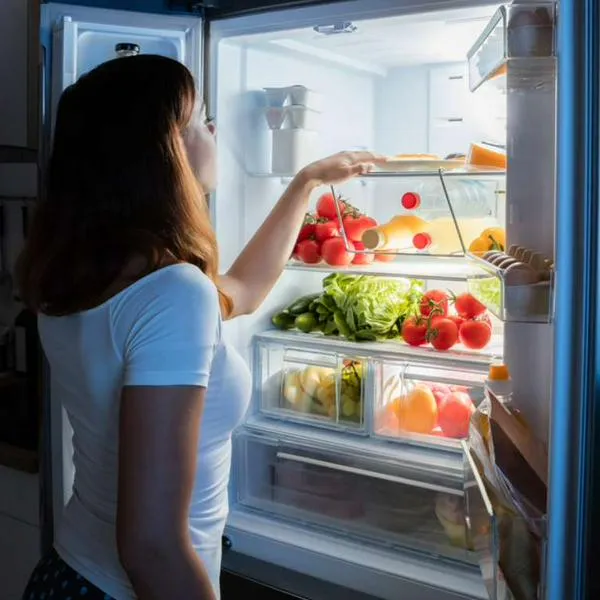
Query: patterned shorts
54, 579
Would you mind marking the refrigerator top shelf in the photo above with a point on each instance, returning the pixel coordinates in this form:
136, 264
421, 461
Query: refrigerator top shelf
392, 350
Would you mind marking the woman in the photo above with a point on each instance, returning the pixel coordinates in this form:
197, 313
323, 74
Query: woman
121, 266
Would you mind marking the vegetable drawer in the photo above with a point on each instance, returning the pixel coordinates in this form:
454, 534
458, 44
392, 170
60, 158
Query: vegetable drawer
323, 387
357, 491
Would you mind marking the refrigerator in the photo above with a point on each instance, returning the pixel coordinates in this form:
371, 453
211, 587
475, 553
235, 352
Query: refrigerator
339, 503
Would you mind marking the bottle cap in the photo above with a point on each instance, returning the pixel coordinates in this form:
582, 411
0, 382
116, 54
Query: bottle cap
422, 241
498, 372
411, 200
373, 239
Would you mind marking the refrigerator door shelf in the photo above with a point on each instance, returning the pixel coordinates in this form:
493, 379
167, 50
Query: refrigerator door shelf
363, 496
85, 37
531, 301
350, 388
510, 548
517, 49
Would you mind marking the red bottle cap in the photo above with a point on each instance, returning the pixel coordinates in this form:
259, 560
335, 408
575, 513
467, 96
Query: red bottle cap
422, 241
411, 200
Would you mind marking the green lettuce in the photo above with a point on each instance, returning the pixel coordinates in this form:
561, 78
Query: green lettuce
368, 307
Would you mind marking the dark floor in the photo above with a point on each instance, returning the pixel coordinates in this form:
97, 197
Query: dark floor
239, 588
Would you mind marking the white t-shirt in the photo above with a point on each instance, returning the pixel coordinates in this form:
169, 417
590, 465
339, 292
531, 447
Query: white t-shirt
163, 330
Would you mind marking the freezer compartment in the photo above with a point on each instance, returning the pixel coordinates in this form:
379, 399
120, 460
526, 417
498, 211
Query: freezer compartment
510, 549
358, 493
516, 49
514, 286
323, 387
424, 402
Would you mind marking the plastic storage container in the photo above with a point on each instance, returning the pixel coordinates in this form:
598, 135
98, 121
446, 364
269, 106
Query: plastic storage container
428, 403
324, 388
293, 149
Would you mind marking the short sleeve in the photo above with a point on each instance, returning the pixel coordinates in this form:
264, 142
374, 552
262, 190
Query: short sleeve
175, 332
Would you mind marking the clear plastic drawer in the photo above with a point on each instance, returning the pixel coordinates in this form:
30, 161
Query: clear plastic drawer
360, 491
423, 402
325, 388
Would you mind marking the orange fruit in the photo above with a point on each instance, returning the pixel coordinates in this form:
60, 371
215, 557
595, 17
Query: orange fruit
418, 411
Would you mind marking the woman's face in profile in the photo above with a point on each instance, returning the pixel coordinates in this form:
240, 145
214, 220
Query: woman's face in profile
201, 148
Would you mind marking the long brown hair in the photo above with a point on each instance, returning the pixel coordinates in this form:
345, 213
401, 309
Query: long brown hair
119, 186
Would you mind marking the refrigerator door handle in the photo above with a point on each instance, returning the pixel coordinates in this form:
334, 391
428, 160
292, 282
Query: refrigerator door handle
366, 473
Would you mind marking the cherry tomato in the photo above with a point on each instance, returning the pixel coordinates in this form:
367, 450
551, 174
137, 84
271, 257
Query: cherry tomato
475, 334
414, 331
356, 226
362, 259
334, 252
434, 302
326, 230
326, 206
308, 252
443, 334
468, 307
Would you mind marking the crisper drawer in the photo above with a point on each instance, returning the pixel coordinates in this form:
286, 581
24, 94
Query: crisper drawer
353, 492
398, 393
320, 386
425, 402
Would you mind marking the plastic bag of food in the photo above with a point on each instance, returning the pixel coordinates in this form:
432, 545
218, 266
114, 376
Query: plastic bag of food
503, 448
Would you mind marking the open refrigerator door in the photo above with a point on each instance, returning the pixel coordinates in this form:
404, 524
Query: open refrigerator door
76, 39
351, 466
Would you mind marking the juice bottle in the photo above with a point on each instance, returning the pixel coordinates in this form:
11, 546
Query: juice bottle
396, 234
439, 236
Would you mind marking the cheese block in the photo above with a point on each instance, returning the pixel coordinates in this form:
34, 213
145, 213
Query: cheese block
486, 156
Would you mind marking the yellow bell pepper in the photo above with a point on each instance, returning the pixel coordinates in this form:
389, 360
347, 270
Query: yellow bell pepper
493, 238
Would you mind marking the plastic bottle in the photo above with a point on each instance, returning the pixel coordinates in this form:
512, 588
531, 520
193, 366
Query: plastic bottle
439, 236
499, 382
396, 234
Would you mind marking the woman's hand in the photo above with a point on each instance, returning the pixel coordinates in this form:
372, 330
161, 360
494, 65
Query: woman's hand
339, 167
258, 267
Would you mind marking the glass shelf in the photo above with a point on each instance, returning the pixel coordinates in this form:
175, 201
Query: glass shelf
516, 49
414, 267
474, 174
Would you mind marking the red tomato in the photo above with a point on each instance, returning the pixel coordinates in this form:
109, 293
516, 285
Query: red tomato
434, 302
334, 252
457, 319
326, 206
307, 231
362, 259
414, 331
475, 334
308, 252
356, 226
454, 414
326, 230
468, 307
443, 334
381, 257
